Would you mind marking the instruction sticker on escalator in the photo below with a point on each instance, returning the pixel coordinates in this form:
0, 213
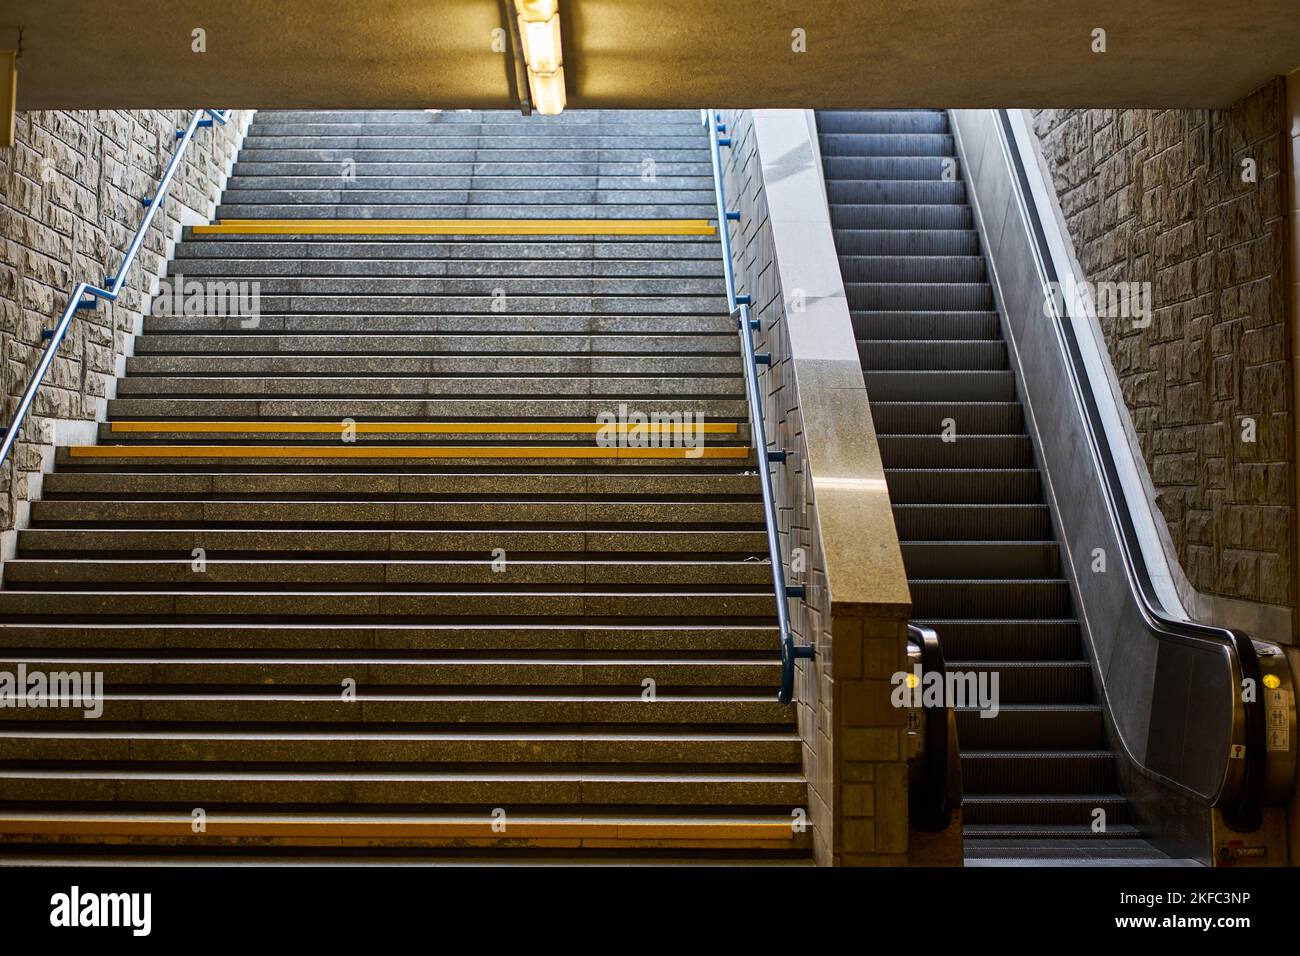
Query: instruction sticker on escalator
1277, 707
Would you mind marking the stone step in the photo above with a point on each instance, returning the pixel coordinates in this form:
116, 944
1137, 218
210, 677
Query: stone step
48, 573
486, 323
367, 181
449, 708
471, 169
364, 156
340, 251
395, 605
275, 288
487, 191
374, 746
397, 544
399, 458
413, 672
198, 788
217, 269
539, 142
517, 299
588, 838
341, 513
621, 388
351, 367
446, 409
651, 640
385, 344
502, 209
378, 486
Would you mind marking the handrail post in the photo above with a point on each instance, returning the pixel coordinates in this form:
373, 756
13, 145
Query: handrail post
78, 298
739, 308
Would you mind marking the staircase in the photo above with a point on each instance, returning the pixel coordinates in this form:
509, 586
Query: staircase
360, 576
977, 536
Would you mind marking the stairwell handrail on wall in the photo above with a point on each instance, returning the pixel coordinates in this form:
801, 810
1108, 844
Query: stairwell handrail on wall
86, 295
739, 306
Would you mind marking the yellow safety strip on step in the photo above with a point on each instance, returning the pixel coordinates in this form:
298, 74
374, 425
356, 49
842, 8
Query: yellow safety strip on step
425, 428
400, 451
606, 832
461, 227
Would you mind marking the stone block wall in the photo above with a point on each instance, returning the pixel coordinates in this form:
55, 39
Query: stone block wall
70, 192
854, 740
1194, 203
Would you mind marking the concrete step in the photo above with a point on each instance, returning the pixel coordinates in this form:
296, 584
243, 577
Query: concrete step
445, 346
366, 155
378, 486
590, 839
624, 387
179, 408
374, 671
490, 603
375, 746
399, 544
351, 367
506, 209
485, 323
653, 640
384, 709
317, 269
31, 574
403, 286
403, 514
338, 251
194, 788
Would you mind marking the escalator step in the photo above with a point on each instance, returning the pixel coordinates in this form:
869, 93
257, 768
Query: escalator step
897, 385
888, 167
933, 522
936, 355
977, 559
886, 144
911, 268
906, 216
1038, 772
965, 451
908, 486
1004, 640
907, 242
902, 326
1035, 682
1024, 597
1019, 808
961, 418
883, 121
871, 192
1032, 727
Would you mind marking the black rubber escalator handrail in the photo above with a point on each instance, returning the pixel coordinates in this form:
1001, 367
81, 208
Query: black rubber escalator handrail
1241, 809
929, 809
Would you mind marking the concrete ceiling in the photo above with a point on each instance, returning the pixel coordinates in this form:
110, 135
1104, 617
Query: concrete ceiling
651, 53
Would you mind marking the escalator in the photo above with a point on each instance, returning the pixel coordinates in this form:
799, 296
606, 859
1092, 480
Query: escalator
1042, 779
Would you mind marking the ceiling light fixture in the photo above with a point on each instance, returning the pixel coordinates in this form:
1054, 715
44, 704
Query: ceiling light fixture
539, 31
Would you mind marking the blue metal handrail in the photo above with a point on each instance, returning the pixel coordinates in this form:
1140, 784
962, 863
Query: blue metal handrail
86, 296
739, 306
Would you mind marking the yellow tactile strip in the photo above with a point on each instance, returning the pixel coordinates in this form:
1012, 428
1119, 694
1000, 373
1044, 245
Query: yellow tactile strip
422, 428
362, 830
400, 451
462, 227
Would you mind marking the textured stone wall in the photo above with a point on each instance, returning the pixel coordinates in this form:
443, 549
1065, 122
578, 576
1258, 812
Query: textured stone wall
854, 741
70, 192
1163, 196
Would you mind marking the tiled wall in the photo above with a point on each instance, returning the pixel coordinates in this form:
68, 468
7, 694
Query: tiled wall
834, 513
70, 192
